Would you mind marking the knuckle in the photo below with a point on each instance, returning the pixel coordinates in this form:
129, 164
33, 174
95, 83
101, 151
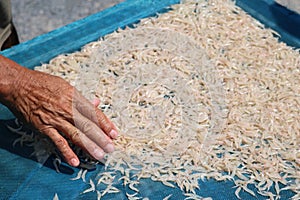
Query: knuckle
75, 136
86, 126
61, 143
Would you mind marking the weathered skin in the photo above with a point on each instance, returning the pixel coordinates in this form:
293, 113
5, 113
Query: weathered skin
52, 106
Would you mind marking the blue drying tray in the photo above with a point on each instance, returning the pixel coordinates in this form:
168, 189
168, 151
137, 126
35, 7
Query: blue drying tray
73, 36
23, 178
276, 17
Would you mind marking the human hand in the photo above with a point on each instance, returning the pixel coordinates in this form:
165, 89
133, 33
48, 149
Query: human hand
52, 105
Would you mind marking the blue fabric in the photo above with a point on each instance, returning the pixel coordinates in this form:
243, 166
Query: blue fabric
276, 17
73, 36
22, 177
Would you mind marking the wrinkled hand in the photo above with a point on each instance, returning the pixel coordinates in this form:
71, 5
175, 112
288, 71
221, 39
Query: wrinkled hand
53, 106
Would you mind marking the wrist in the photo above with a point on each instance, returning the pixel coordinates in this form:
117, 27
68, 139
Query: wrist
11, 78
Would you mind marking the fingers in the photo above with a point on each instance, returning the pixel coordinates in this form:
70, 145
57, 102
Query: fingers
94, 114
85, 131
89, 146
63, 146
87, 136
93, 132
105, 124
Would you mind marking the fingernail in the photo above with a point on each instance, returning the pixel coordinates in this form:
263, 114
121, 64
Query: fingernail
113, 133
109, 148
102, 161
98, 154
74, 162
